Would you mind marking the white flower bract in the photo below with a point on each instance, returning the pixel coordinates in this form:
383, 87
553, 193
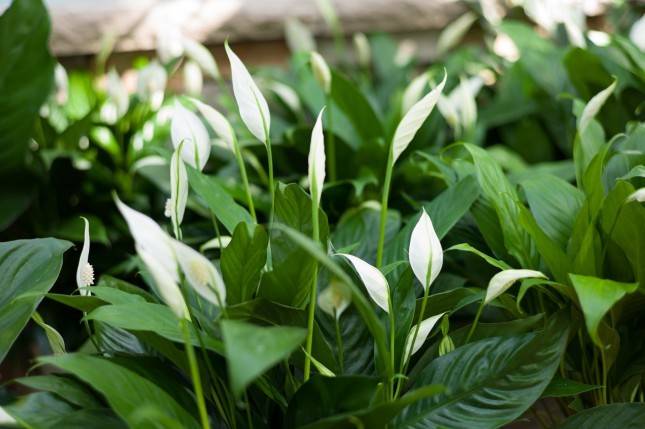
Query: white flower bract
317, 159
426, 253
374, 281
505, 279
85, 271
187, 128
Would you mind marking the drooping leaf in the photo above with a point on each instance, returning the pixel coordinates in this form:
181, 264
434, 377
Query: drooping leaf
251, 350
28, 269
562, 387
624, 416
125, 391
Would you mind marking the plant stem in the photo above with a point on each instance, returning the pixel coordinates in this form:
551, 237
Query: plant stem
472, 328
392, 336
386, 194
339, 344
194, 375
245, 179
248, 410
331, 144
312, 292
89, 334
271, 185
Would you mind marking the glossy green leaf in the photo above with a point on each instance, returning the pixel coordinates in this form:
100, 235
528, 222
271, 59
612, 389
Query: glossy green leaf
26, 77
65, 387
54, 338
293, 269
562, 387
222, 205
242, 262
38, 410
28, 269
125, 390
499, 378
597, 297
251, 350
624, 416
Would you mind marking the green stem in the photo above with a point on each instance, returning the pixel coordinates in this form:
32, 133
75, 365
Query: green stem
386, 194
194, 374
248, 410
339, 344
405, 364
331, 144
271, 185
392, 335
245, 179
314, 280
472, 328
89, 333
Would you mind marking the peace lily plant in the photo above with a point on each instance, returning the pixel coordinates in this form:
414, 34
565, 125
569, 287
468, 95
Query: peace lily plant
502, 266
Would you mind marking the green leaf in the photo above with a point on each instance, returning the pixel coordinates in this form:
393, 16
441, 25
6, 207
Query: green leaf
28, 269
597, 297
65, 387
502, 196
222, 205
242, 262
498, 378
464, 247
26, 77
623, 416
38, 410
555, 204
73, 229
125, 390
250, 350
149, 317
288, 282
55, 340
559, 387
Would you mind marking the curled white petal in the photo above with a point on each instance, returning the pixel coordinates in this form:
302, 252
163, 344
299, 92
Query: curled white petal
220, 124
186, 127
167, 286
253, 107
193, 78
335, 299
505, 279
424, 330
637, 33
594, 105
220, 242
178, 189
373, 279
201, 56
200, 273
150, 237
426, 253
85, 272
286, 94
413, 120
317, 159
321, 71
639, 196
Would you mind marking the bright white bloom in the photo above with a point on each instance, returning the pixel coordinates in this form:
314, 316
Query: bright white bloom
5, 418
150, 237
504, 47
170, 44
363, 50
253, 107
374, 281
335, 299
317, 159
85, 271
201, 56
599, 38
200, 273
118, 99
639, 196
187, 128
637, 33
151, 84
321, 71
178, 190
405, 52
413, 92
426, 254
505, 279
459, 108
61, 85
424, 330
167, 287
193, 78
286, 94
220, 242
218, 122
413, 120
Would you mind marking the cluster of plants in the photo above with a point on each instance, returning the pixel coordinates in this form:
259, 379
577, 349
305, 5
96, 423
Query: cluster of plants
364, 242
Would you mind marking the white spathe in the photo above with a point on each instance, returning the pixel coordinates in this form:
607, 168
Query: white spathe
200, 273
426, 253
413, 120
335, 299
424, 330
639, 196
317, 159
321, 71
186, 127
178, 189
218, 122
505, 279
253, 107
374, 281
413, 92
85, 271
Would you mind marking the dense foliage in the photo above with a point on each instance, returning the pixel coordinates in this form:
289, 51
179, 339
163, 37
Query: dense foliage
370, 244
